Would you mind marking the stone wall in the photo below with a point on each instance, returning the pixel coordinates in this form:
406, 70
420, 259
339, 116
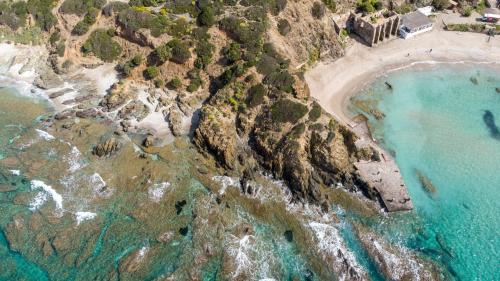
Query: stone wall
373, 33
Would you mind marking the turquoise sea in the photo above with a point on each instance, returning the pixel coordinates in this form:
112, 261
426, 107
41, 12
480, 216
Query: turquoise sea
442, 120
157, 217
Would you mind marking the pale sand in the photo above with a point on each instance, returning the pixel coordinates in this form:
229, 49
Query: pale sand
333, 83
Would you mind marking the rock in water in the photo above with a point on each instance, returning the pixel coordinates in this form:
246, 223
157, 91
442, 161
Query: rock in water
426, 183
489, 120
106, 148
148, 141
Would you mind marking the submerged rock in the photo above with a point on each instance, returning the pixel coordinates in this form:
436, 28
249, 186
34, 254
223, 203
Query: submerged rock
426, 182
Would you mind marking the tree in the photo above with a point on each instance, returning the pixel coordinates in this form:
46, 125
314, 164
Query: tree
151, 72
180, 51
206, 16
318, 10
440, 4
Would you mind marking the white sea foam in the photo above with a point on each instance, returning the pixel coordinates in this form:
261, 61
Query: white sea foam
84, 216
38, 201
226, 182
41, 197
98, 184
15, 172
157, 190
46, 136
330, 244
240, 250
75, 160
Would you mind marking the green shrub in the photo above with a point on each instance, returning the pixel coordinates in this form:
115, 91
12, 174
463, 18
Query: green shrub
60, 49
151, 72
440, 4
114, 7
180, 51
318, 10
241, 31
256, 95
206, 16
83, 26
277, 6
161, 54
159, 83
200, 33
467, 12
102, 46
80, 7
315, 112
180, 27
204, 53
284, 27
135, 18
256, 13
41, 10
175, 83
369, 6
331, 5
137, 60
286, 110
13, 15
232, 52
182, 7
298, 130
282, 81
270, 61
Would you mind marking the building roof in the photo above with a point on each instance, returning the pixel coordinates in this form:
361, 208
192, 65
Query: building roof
415, 20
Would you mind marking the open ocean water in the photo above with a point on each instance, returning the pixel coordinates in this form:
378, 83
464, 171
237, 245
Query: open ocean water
442, 121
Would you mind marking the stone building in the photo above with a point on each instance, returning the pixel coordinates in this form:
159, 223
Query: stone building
375, 28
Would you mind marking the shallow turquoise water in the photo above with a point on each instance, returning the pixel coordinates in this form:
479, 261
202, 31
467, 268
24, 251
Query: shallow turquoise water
434, 123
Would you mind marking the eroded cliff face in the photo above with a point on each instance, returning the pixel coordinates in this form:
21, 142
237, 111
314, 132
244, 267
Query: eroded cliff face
290, 137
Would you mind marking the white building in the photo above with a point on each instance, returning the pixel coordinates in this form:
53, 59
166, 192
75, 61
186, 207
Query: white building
414, 23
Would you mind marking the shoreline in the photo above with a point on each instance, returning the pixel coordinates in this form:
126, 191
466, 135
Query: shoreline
332, 84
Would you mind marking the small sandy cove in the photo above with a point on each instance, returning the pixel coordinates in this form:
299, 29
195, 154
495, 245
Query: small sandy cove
333, 83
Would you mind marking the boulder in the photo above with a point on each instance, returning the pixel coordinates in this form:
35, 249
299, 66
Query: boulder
107, 147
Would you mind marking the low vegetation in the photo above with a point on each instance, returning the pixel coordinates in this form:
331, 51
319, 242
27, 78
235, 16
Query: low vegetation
101, 44
286, 110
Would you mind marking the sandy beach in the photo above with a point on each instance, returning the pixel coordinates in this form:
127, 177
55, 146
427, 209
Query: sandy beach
332, 83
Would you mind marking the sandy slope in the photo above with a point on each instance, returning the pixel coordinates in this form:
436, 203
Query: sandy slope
332, 83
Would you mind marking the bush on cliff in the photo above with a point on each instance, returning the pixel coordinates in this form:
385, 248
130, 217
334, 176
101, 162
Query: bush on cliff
102, 45
151, 72
281, 80
80, 7
83, 26
286, 110
284, 27
318, 10
242, 31
315, 112
204, 52
41, 10
180, 51
256, 95
206, 16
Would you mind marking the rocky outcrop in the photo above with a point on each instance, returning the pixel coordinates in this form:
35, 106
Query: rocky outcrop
107, 147
216, 135
396, 262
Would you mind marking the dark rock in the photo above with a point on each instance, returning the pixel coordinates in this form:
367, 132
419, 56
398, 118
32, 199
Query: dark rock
184, 231
179, 205
288, 235
87, 113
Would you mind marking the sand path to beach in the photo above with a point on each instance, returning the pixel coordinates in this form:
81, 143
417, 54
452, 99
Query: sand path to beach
332, 83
